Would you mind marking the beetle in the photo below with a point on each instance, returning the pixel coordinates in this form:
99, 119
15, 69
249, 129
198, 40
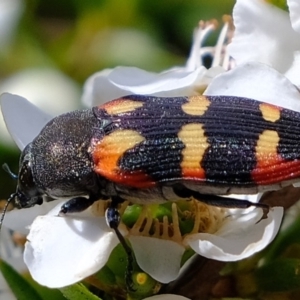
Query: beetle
154, 149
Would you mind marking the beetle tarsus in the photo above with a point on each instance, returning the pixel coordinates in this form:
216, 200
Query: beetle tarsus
113, 220
219, 201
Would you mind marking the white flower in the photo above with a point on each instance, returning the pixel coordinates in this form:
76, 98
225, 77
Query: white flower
110, 84
257, 81
266, 34
53, 240
23, 119
61, 251
79, 245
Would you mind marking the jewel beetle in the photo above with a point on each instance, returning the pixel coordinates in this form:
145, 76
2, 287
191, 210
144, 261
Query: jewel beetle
153, 149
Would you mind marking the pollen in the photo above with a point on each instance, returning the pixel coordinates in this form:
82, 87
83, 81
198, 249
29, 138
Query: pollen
141, 278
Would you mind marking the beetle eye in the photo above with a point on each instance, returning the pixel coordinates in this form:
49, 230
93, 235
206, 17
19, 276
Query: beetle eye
26, 182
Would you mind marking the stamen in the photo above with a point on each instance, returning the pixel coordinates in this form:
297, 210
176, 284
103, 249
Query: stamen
219, 52
176, 229
99, 207
136, 229
205, 219
147, 226
200, 34
156, 232
197, 220
165, 232
221, 56
220, 46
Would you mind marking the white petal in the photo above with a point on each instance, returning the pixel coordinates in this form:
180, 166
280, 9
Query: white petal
122, 81
166, 297
238, 239
252, 198
49, 89
259, 82
159, 258
293, 73
294, 9
20, 219
23, 120
263, 33
63, 250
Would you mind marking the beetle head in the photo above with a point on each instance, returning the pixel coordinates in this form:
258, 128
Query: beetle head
28, 193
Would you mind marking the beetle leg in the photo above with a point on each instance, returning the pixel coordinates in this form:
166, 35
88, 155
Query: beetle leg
75, 205
113, 220
215, 200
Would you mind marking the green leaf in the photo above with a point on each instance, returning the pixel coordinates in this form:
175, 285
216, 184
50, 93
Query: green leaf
284, 239
106, 276
19, 286
78, 291
279, 276
47, 293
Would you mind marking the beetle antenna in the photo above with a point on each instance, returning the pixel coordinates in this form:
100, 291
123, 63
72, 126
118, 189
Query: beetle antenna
9, 200
6, 168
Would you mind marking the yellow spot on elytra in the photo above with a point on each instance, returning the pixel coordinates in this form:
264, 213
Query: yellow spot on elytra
110, 149
120, 106
269, 112
196, 105
195, 142
266, 149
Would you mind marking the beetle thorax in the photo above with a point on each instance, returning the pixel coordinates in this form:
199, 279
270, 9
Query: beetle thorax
61, 162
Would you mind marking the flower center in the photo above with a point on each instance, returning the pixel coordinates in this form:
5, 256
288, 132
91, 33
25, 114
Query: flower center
218, 54
169, 221
173, 220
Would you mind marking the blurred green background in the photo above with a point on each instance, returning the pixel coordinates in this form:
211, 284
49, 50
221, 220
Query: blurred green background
49, 48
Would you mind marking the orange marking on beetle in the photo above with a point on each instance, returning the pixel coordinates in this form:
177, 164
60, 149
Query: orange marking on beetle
271, 168
282, 171
196, 105
195, 141
270, 112
108, 152
120, 106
